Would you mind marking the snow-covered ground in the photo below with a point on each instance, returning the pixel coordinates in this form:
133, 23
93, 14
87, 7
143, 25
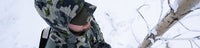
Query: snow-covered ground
122, 27
20, 24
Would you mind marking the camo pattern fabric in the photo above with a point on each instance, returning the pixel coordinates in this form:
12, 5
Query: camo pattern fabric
58, 14
92, 38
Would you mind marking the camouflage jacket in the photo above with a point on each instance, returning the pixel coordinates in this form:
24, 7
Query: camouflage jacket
58, 15
93, 38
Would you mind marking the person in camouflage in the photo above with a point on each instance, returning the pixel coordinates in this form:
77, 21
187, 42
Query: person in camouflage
72, 25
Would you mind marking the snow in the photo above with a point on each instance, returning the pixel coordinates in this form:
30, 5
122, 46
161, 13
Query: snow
122, 27
20, 25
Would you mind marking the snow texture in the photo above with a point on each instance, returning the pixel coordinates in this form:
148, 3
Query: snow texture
122, 26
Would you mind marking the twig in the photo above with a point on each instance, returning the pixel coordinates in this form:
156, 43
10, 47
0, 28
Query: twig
167, 45
198, 37
178, 39
149, 31
169, 4
196, 44
191, 44
188, 28
135, 37
138, 10
161, 10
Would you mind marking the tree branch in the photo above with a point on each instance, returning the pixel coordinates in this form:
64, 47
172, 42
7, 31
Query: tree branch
188, 28
191, 44
138, 10
161, 10
170, 19
196, 44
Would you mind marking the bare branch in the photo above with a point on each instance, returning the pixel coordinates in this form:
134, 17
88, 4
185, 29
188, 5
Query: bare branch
162, 1
170, 19
191, 44
176, 36
178, 39
188, 28
135, 38
149, 32
197, 37
138, 10
184, 26
167, 45
169, 4
196, 44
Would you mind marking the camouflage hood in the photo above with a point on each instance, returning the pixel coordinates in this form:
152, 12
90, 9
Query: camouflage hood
59, 13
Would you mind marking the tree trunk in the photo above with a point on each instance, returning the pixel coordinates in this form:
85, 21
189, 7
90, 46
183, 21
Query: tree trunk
170, 19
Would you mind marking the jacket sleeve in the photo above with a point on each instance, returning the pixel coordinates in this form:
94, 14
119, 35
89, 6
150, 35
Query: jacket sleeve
102, 43
100, 40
